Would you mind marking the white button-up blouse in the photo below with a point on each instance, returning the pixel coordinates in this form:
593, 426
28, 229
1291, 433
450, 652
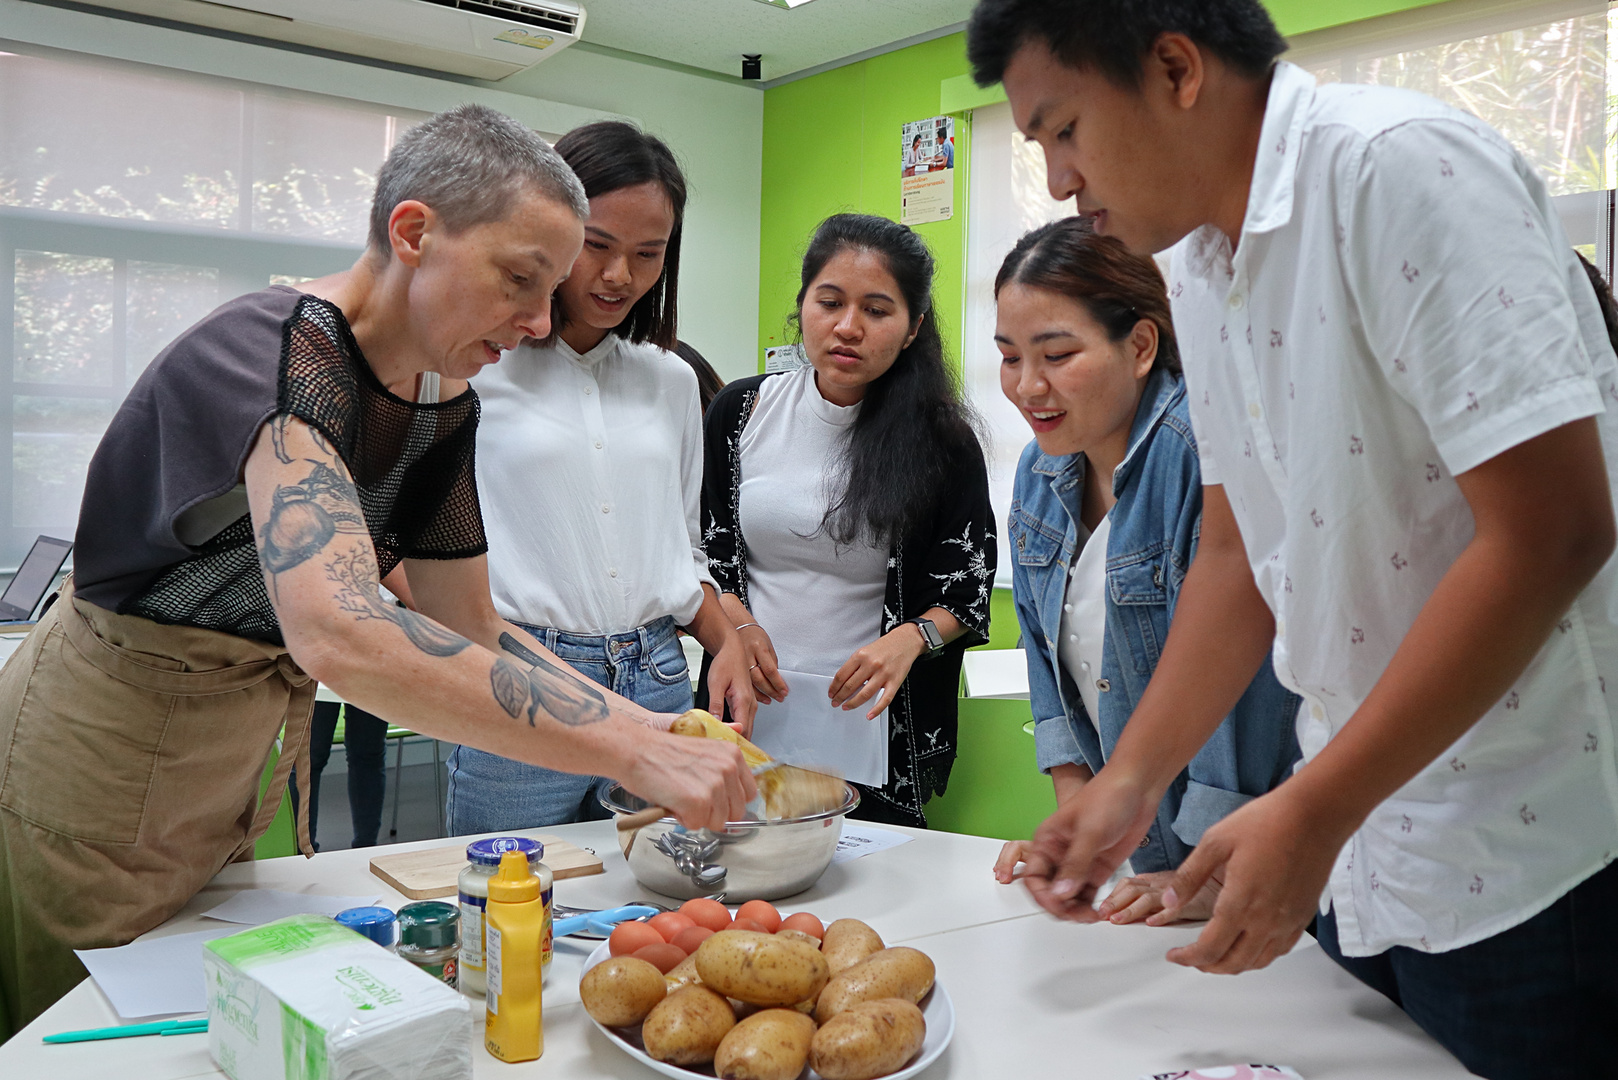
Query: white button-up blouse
590, 474
1401, 307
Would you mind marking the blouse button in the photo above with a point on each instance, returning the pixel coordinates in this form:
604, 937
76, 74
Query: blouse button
1103, 685
1067, 607
586, 391
1073, 637
598, 444
612, 573
605, 509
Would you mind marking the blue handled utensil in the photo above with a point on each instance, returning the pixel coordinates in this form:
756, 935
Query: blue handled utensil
600, 922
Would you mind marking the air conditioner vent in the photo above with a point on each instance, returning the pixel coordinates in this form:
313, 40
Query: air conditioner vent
518, 12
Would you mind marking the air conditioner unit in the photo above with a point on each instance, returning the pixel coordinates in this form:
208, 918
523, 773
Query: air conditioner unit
486, 39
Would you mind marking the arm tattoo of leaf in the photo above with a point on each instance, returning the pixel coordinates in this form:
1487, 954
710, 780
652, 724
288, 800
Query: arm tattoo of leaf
566, 696
510, 686
355, 574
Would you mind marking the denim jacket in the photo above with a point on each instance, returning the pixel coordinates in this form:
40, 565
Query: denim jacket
1155, 525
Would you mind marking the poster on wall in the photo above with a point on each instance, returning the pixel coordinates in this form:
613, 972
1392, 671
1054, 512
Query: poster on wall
927, 171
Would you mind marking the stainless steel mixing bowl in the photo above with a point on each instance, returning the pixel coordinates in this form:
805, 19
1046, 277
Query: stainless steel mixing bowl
749, 860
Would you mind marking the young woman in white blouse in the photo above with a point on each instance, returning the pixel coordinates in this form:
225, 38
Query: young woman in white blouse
589, 463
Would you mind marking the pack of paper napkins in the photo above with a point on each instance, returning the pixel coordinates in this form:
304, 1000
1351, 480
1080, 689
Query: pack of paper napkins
304, 998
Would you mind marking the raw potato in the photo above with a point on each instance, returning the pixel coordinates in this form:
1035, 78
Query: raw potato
873, 1038
620, 992
761, 969
684, 974
686, 1027
892, 973
771, 1045
798, 935
848, 941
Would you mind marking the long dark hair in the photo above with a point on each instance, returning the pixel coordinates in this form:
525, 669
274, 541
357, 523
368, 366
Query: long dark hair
901, 452
1117, 287
610, 155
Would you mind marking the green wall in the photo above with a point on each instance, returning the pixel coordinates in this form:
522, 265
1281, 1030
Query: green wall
831, 143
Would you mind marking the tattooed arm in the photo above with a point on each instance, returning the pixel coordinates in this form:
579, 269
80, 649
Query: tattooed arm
405, 666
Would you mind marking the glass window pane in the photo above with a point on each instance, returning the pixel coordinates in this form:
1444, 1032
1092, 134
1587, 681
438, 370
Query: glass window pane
162, 300
1543, 87
63, 327
80, 138
52, 441
314, 166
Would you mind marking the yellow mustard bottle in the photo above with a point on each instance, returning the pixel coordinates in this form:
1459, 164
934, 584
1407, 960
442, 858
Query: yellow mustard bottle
514, 933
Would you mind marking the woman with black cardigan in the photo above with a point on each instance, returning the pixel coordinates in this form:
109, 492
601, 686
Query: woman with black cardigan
849, 523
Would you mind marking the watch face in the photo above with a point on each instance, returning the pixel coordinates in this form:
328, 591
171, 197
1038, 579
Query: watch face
929, 631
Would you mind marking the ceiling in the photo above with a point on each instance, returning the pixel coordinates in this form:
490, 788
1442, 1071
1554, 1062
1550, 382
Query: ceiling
713, 34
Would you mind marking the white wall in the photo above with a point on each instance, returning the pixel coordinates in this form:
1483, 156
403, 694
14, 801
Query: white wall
716, 129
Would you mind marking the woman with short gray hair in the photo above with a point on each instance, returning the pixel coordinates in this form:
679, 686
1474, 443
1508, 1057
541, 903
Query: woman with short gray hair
261, 477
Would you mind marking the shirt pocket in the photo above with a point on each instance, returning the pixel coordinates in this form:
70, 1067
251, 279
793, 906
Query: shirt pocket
1033, 542
1138, 593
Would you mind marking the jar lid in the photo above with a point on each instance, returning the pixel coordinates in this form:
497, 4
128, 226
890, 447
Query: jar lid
429, 924
376, 923
488, 852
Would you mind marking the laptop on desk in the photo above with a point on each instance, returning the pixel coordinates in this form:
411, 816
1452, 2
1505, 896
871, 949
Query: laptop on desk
33, 579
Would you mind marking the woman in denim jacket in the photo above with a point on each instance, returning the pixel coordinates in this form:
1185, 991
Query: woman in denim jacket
1089, 358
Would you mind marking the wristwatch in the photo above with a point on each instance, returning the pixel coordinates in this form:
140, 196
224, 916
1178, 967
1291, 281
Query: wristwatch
929, 633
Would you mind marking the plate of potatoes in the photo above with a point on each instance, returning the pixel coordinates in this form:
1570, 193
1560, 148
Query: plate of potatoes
799, 1000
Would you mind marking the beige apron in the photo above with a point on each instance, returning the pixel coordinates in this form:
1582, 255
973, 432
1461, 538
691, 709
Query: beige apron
130, 760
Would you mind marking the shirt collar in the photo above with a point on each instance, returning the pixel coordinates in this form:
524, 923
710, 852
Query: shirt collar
594, 356
1161, 392
1269, 198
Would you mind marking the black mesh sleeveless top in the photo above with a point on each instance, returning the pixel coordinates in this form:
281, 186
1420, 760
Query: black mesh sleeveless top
176, 448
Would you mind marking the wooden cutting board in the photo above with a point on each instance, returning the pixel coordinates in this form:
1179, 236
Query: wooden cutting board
432, 872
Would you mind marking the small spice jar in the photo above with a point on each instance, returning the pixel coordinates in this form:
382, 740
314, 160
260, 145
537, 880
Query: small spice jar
482, 862
429, 937
376, 923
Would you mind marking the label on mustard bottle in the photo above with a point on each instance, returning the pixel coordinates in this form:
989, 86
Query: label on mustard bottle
491, 963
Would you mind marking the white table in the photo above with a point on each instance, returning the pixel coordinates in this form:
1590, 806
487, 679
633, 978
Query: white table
1034, 997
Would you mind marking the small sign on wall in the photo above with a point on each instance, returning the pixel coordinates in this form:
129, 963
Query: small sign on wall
927, 171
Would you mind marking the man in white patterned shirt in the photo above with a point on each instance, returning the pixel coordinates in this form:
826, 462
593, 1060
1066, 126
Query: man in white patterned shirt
1396, 368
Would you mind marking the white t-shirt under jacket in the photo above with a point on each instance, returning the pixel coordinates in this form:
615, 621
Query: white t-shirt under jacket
590, 473
1402, 306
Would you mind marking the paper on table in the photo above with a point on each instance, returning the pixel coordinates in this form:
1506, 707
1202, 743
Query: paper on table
858, 840
159, 977
255, 907
807, 730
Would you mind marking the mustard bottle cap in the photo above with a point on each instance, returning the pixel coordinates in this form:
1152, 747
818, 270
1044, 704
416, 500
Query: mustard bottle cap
513, 883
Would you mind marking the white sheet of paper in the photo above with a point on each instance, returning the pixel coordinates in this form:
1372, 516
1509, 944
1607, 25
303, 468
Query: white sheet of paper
859, 839
807, 730
160, 977
255, 907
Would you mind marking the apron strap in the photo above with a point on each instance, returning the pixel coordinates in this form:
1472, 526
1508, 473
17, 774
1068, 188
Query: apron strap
294, 752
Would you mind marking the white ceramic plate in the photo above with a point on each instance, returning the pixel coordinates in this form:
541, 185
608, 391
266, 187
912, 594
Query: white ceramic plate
936, 1009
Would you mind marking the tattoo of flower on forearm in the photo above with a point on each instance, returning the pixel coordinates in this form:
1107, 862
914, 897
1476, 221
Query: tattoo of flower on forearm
566, 697
355, 574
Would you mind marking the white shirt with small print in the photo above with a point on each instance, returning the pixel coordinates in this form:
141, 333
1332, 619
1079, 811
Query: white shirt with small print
1402, 306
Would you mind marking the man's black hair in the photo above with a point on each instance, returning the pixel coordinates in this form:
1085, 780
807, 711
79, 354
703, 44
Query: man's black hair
1111, 36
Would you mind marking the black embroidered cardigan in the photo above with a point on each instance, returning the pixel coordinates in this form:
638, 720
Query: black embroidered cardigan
948, 565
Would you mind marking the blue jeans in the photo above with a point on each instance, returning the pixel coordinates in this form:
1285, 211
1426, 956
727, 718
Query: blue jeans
1537, 1001
489, 793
